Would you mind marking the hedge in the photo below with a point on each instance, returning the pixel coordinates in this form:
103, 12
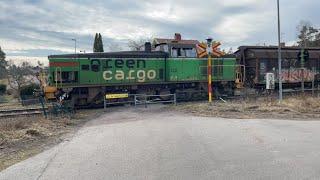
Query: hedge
3, 89
28, 89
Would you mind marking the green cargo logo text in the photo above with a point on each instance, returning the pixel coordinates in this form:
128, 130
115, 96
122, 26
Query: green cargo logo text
134, 72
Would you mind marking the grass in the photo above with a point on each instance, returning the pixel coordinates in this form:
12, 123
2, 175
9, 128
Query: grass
22, 137
298, 107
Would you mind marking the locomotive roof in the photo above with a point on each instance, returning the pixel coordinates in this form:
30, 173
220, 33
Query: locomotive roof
123, 54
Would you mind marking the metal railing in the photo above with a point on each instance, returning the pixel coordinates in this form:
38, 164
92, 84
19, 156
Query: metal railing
142, 99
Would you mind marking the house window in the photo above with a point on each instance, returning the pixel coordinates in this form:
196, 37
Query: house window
165, 48
190, 52
174, 52
179, 52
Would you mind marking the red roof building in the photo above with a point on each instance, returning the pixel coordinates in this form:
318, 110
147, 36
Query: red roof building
176, 47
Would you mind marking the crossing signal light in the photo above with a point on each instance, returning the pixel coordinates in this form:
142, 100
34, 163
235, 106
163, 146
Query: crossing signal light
303, 55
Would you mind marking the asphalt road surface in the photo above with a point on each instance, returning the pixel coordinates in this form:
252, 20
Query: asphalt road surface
153, 143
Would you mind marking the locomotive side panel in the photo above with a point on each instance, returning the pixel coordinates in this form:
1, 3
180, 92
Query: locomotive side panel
185, 69
194, 69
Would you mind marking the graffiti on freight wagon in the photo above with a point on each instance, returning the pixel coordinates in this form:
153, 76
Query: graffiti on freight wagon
294, 75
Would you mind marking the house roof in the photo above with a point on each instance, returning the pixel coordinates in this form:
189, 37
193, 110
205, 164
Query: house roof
123, 54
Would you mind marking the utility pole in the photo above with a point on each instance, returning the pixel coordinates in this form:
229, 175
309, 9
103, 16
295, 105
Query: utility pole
279, 54
75, 53
302, 69
75, 45
209, 41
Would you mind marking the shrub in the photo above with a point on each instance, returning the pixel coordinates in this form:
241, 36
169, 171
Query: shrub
3, 89
28, 89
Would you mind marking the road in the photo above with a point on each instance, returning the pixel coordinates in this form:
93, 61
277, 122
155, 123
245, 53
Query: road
153, 143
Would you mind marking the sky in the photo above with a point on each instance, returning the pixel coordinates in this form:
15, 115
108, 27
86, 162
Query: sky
30, 30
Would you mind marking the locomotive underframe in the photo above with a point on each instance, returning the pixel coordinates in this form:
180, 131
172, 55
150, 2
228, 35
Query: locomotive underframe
186, 91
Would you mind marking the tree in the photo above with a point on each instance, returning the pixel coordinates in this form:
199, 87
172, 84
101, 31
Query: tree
308, 36
18, 75
112, 47
98, 44
230, 51
3, 64
138, 44
95, 43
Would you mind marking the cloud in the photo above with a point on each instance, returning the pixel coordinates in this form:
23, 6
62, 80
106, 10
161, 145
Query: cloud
37, 28
233, 29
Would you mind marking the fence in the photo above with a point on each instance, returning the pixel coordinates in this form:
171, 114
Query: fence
141, 99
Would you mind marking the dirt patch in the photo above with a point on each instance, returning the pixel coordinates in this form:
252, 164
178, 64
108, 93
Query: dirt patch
22, 137
296, 108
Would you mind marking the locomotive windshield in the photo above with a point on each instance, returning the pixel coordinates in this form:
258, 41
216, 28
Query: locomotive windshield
183, 52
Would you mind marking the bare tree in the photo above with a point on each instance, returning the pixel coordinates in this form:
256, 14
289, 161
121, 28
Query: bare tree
3, 64
114, 47
308, 36
17, 75
138, 44
230, 51
40, 64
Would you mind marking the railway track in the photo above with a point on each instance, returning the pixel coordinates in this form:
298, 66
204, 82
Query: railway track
20, 112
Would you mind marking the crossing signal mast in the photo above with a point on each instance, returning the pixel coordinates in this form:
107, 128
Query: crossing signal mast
208, 49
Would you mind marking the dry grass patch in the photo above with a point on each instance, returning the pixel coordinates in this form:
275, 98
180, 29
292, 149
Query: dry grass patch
22, 137
299, 107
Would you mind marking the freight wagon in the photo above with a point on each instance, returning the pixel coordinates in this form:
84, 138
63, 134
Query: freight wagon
259, 60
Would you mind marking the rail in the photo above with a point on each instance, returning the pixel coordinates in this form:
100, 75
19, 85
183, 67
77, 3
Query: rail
23, 107
20, 112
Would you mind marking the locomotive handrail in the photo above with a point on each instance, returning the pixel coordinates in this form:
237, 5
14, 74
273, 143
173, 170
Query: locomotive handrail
56, 76
155, 101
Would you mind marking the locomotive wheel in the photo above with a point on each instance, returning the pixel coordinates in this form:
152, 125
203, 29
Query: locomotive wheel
163, 94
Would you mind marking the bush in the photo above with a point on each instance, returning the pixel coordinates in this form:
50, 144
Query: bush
3, 89
28, 90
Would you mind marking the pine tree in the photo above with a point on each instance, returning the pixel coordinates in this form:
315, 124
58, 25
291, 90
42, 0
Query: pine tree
100, 43
95, 43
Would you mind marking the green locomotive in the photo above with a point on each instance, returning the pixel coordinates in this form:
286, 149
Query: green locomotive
86, 78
